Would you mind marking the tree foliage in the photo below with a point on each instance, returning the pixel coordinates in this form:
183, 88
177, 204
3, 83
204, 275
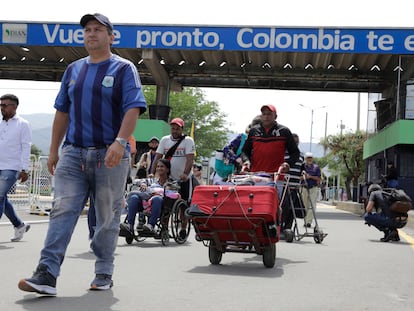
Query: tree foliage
345, 156
36, 151
191, 106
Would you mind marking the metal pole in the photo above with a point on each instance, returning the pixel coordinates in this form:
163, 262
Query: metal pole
326, 129
397, 108
358, 111
311, 129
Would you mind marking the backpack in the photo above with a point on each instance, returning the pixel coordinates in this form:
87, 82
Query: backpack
398, 200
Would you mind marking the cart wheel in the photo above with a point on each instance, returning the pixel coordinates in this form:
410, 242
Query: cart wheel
318, 235
165, 237
289, 235
129, 239
269, 256
177, 218
214, 254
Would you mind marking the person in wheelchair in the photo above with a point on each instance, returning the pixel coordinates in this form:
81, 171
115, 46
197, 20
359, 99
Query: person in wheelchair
379, 214
149, 199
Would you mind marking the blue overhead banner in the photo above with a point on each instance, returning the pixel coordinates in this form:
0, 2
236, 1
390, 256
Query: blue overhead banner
230, 38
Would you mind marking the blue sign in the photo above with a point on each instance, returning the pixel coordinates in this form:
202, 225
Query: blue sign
229, 38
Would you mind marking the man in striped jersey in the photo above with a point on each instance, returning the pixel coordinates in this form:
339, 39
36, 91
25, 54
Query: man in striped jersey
97, 107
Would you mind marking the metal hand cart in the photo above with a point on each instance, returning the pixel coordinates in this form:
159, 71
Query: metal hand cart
318, 235
231, 219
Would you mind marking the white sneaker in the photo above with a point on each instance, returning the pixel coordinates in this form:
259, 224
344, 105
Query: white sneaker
19, 232
148, 227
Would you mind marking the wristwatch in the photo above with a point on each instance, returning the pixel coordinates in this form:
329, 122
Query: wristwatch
121, 141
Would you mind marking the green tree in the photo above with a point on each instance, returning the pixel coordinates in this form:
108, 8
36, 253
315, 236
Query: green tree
191, 106
345, 156
36, 151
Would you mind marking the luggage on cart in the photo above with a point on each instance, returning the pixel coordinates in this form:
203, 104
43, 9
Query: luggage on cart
235, 218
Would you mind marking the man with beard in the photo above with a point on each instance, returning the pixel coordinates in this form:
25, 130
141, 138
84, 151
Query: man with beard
179, 149
146, 161
15, 141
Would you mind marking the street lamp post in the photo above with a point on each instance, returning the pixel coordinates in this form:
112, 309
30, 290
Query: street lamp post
311, 127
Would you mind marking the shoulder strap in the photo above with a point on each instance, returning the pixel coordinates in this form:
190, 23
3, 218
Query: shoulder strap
171, 151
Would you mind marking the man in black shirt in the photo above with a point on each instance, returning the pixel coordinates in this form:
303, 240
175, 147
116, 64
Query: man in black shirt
383, 219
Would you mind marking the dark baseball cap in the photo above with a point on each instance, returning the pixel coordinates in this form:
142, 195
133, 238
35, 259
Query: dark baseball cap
97, 16
154, 138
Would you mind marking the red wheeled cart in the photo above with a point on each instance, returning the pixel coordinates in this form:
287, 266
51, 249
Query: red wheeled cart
237, 218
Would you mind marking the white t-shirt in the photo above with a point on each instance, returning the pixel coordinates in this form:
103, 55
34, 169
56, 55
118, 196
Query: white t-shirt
178, 159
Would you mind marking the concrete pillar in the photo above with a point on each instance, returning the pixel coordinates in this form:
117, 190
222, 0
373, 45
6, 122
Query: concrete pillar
162, 95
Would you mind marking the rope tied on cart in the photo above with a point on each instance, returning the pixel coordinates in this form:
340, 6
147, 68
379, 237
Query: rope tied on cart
216, 208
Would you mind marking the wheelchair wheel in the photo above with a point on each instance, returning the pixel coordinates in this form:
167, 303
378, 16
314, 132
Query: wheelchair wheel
180, 224
124, 231
165, 236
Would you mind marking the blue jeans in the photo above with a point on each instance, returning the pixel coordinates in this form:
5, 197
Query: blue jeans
91, 217
79, 173
392, 183
7, 180
379, 221
135, 205
156, 206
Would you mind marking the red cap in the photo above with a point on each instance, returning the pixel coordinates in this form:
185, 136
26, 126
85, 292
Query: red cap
178, 122
270, 107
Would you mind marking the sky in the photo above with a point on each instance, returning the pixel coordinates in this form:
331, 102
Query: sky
241, 105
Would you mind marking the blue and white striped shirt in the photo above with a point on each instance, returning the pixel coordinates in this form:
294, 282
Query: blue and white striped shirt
295, 171
96, 97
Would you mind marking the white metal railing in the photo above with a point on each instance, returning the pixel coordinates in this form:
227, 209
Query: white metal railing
34, 195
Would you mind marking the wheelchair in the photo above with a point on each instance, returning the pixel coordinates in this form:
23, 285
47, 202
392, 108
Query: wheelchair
168, 226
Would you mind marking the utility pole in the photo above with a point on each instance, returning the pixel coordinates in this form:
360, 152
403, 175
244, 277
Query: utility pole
311, 129
326, 129
358, 111
311, 125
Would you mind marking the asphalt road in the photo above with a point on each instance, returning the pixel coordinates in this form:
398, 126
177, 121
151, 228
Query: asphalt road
349, 270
